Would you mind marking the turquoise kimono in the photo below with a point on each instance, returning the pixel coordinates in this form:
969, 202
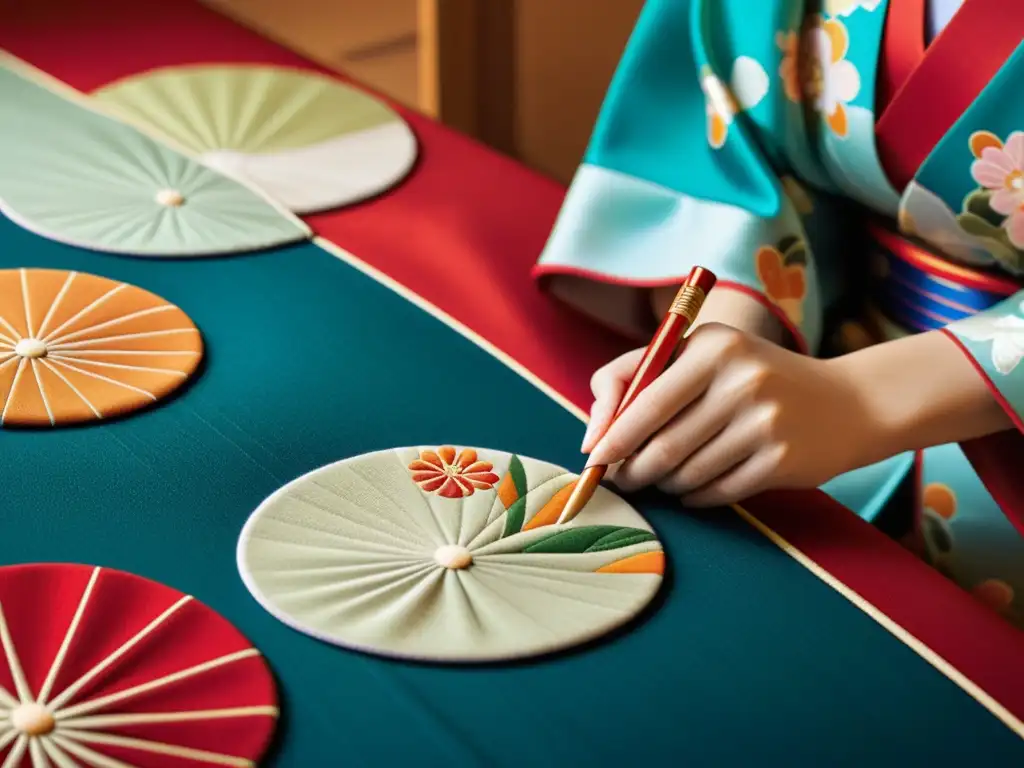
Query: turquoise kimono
748, 137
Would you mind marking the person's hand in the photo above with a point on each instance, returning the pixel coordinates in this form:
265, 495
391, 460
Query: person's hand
734, 415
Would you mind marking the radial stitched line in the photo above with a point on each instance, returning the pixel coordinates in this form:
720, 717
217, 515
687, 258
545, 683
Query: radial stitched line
385, 583
56, 303
86, 310
116, 321
17, 674
384, 548
87, 352
73, 388
119, 366
533, 619
84, 680
120, 337
11, 391
17, 752
437, 538
152, 718
157, 747
42, 390
107, 379
26, 304
69, 635
38, 757
91, 705
16, 337
57, 755
8, 736
396, 536
551, 586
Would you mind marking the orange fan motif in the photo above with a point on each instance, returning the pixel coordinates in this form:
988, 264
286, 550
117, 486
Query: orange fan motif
107, 669
76, 347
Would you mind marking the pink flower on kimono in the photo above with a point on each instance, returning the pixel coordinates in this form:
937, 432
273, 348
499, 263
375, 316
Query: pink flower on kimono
451, 476
828, 81
1000, 168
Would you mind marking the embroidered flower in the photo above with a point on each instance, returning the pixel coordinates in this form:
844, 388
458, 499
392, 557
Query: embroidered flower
452, 476
1000, 168
784, 277
846, 7
996, 594
1006, 332
748, 86
828, 81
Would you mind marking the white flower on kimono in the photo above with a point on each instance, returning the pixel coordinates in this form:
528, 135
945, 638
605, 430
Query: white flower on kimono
925, 215
829, 82
748, 86
1000, 167
846, 7
1006, 332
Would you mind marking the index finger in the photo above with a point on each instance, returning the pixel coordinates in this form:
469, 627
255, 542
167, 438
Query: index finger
682, 383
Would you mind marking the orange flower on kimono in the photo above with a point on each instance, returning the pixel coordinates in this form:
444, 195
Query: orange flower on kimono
451, 476
996, 594
1000, 168
829, 82
784, 283
789, 69
747, 88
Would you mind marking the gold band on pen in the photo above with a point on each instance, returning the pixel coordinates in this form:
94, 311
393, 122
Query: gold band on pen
687, 302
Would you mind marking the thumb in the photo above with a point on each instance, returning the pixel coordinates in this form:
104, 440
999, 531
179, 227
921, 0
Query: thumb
608, 385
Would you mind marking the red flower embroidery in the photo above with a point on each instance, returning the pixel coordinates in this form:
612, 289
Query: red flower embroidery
452, 477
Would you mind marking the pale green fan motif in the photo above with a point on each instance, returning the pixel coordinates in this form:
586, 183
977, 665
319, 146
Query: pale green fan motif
447, 555
74, 175
306, 140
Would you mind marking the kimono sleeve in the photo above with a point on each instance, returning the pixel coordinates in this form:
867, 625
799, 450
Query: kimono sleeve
674, 177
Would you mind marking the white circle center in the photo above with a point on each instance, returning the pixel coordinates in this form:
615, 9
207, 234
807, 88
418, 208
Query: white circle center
453, 557
32, 719
170, 197
30, 348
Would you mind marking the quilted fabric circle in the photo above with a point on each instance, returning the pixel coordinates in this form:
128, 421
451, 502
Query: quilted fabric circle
105, 668
447, 555
76, 347
305, 140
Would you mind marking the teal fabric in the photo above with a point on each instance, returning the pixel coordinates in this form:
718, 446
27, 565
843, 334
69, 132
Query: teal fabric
749, 659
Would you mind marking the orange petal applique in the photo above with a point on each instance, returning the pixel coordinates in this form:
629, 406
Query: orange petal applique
506, 491
837, 34
419, 465
434, 483
467, 456
995, 593
837, 121
645, 562
795, 282
718, 130
940, 499
447, 454
76, 347
982, 140
550, 512
431, 458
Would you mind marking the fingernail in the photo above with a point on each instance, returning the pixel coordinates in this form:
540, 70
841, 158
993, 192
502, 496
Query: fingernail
587, 437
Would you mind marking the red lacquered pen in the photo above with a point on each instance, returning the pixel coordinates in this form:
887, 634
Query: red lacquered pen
680, 317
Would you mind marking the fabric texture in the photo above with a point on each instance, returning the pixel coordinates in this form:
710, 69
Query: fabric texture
76, 347
354, 553
72, 174
305, 140
102, 667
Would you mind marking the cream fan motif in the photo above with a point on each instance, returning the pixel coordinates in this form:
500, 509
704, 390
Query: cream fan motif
72, 174
447, 555
304, 139
76, 347
103, 668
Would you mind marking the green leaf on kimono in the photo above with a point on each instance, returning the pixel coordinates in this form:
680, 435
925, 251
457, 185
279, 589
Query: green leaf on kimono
978, 204
975, 225
796, 254
1006, 253
591, 538
514, 517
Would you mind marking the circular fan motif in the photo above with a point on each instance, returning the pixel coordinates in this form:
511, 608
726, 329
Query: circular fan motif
306, 140
71, 174
103, 668
75, 347
447, 555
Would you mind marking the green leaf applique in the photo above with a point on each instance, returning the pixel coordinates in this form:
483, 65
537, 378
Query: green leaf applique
591, 538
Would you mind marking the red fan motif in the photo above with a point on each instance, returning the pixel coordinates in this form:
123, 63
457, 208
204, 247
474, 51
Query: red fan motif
107, 669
